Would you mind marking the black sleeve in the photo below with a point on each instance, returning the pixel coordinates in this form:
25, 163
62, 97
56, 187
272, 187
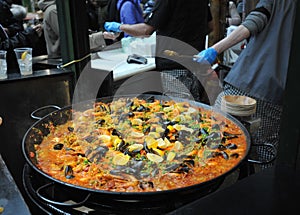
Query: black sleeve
8, 21
159, 15
25, 38
14, 28
264, 11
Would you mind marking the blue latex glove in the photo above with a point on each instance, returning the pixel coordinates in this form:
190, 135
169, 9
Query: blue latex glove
112, 26
209, 55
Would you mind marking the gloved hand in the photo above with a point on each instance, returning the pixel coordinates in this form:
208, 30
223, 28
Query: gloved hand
112, 26
209, 55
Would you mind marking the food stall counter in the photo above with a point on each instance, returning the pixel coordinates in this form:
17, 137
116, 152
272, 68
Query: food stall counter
116, 60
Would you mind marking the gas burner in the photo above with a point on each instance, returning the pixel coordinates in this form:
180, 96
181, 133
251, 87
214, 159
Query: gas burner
55, 198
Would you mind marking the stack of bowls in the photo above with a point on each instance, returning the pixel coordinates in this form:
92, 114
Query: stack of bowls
238, 105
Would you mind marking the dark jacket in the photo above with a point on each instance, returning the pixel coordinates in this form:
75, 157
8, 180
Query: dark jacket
182, 20
7, 19
97, 14
26, 38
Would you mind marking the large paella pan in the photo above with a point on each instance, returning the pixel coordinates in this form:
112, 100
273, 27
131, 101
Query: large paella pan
136, 147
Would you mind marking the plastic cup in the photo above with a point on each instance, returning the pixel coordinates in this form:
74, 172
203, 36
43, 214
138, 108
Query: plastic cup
3, 65
24, 57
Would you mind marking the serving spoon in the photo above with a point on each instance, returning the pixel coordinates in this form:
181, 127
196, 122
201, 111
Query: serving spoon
171, 53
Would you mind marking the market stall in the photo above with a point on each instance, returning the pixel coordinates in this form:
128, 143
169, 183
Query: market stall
240, 191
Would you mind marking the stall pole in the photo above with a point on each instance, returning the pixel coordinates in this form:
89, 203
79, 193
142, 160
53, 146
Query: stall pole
73, 19
289, 147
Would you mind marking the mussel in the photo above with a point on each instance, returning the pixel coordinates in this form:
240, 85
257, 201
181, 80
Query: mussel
185, 166
69, 172
100, 121
146, 184
117, 133
58, 146
216, 154
89, 139
71, 129
141, 108
122, 146
231, 146
104, 108
97, 154
234, 155
229, 136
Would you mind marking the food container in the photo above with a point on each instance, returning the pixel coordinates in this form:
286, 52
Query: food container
238, 105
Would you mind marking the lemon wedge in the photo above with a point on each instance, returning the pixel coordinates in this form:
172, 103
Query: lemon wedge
154, 158
151, 142
136, 134
24, 54
135, 147
104, 138
171, 156
120, 159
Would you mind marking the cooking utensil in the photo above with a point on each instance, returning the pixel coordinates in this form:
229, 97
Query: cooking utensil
39, 130
171, 53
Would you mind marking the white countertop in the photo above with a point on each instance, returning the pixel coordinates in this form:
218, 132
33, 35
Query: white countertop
116, 61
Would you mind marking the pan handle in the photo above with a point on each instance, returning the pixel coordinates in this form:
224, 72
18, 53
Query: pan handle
33, 116
263, 162
38, 193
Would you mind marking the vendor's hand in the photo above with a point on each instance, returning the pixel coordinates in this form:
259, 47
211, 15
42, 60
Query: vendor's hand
6, 30
208, 55
111, 35
112, 26
38, 29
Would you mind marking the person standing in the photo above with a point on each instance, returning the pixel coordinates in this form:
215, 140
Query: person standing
261, 69
125, 12
97, 12
175, 22
233, 17
52, 35
232, 21
10, 24
13, 35
51, 27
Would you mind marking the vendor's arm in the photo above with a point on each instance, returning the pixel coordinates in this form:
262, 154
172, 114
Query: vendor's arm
140, 29
253, 24
158, 17
238, 35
